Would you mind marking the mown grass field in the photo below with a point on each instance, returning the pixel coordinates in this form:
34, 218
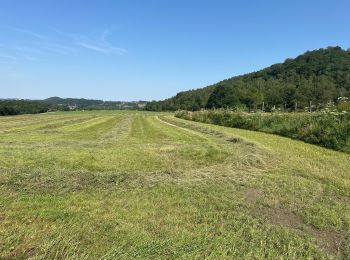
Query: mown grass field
137, 185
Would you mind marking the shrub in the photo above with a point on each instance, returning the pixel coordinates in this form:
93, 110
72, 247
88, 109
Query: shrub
328, 129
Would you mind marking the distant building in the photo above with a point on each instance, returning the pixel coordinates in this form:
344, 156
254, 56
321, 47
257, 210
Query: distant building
72, 107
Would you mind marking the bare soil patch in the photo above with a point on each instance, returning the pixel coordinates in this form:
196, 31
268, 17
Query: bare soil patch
278, 216
2, 218
328, 240
253, 195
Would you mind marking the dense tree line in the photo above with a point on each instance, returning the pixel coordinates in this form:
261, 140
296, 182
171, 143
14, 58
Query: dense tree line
187, 100
94, 104
18, 107
331, 130
312, 80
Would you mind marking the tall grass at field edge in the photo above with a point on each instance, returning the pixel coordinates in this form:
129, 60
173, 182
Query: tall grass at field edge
330, 130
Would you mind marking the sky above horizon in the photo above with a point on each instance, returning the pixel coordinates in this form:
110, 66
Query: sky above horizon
150, 50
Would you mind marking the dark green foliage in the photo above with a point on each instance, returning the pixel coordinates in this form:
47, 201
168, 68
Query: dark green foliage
223, 96
317, 78
189, 100
331, 130
81, 102
17, 107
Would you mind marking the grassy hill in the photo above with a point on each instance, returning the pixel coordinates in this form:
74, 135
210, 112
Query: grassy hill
317, 77
141, 185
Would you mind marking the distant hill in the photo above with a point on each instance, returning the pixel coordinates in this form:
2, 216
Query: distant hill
71, 101
21, 106
317, 77
81, 103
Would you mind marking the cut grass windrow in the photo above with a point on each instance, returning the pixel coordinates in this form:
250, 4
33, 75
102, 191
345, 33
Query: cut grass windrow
136, 185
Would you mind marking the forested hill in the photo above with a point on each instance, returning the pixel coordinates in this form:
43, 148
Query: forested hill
317, 77
82, 103
17, 107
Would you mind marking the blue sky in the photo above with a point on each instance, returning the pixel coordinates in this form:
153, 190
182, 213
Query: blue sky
145, 50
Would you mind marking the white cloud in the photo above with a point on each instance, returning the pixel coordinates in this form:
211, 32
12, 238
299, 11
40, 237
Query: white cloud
36, 45
105, 49
100, 45
29, 32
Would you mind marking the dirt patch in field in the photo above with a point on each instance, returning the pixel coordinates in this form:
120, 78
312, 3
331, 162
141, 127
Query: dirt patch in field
253, 195
279, 216
2, 218
328, 240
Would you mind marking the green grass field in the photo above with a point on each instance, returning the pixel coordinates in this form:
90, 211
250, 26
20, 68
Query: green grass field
137, 185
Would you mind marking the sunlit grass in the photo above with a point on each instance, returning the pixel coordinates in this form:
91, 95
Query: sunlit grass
144, 185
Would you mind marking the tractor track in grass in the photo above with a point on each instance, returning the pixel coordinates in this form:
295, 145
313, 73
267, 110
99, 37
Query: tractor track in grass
199, 130
329, 240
